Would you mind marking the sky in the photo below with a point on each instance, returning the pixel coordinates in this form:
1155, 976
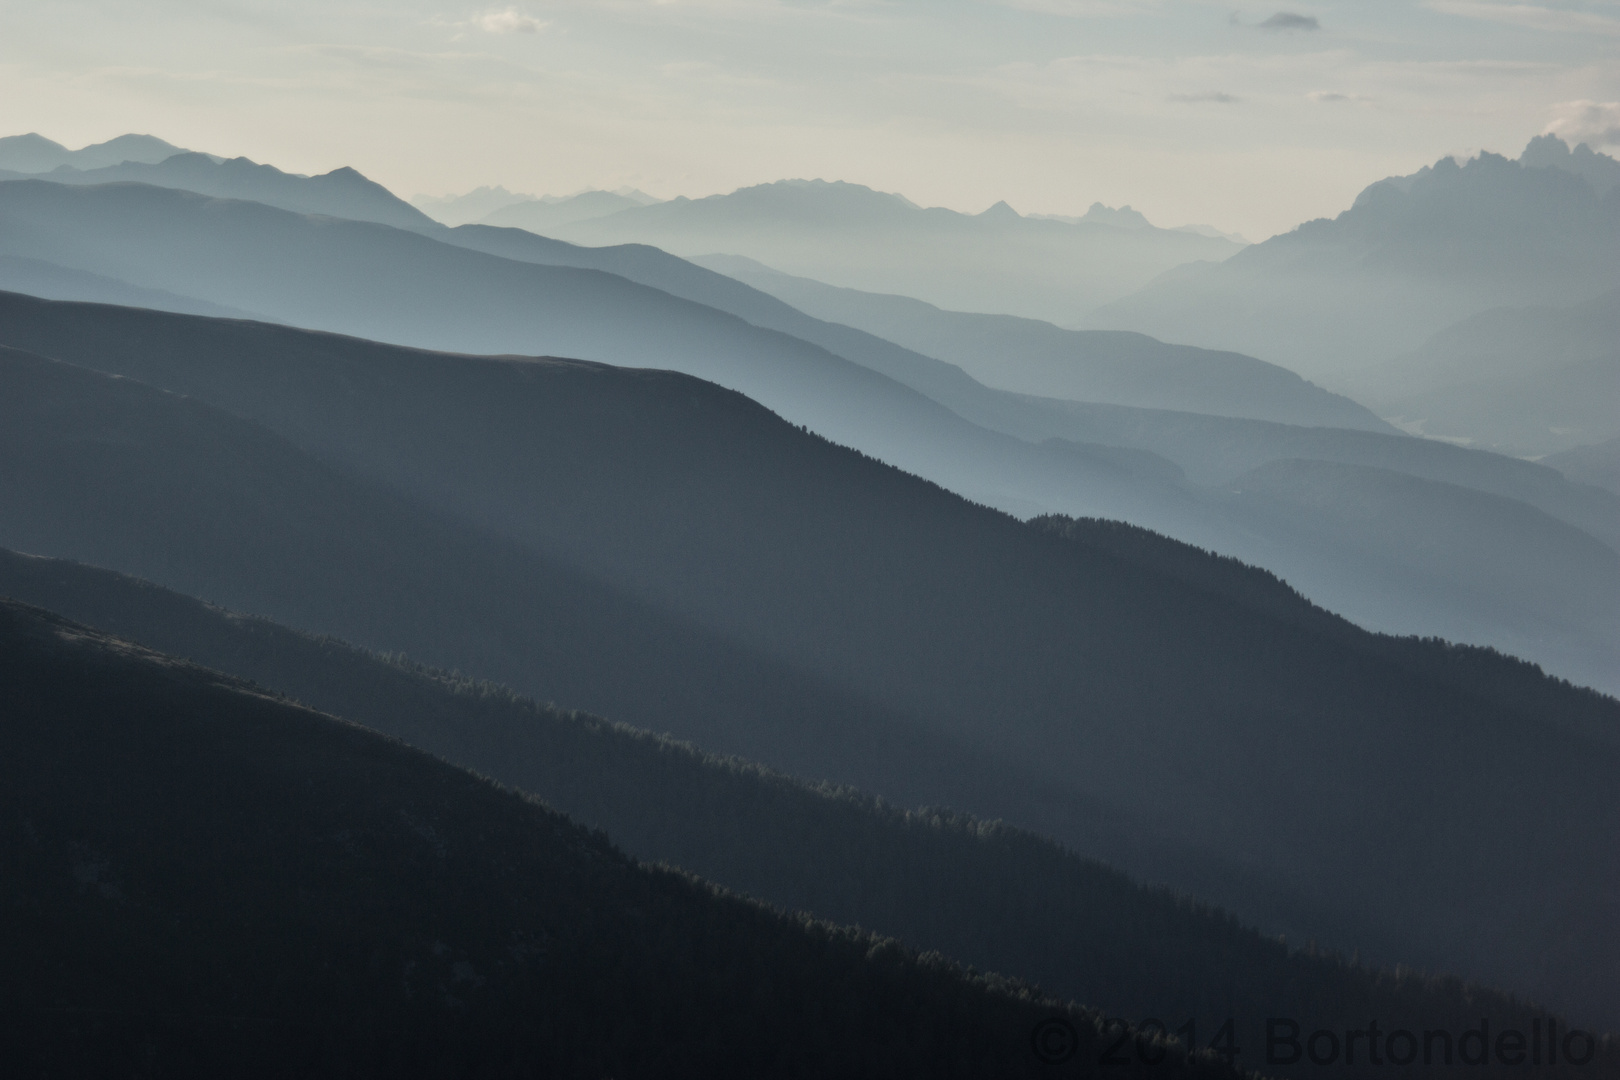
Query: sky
1249, 118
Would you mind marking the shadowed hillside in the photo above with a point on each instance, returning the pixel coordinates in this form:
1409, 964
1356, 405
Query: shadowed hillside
1266, 757
982, 893
201, 879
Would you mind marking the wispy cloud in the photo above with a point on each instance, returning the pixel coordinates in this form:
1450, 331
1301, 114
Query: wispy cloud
1214, 96
1596, 123
1288, 20
1533, 16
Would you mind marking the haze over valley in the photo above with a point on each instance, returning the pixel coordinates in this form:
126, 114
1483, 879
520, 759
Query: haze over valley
1077, 545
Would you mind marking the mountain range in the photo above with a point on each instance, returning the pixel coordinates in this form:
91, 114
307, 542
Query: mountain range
1223, 382
431, 647
1413, 255
34, 153
847, 234
645, 545
516, 292
342, 193
1031, 357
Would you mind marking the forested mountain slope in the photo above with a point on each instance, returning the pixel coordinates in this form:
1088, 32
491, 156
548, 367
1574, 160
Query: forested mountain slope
1322, 785
982, 892
200, 878
113, 472
985, 894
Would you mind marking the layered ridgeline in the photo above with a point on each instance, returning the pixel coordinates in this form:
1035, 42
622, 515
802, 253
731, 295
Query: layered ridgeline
201, 879
899, 406
1413, 255
340, 193
1028, 356
1467, 564
1526, 380
34, 153
546, 215
656, 549
1181, 377
397, 285
984, 894
848, 234
1044, 267
1598, 464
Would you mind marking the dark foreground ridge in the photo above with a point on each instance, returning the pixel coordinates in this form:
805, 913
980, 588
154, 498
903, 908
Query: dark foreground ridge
200, 879
982, 893
664, 552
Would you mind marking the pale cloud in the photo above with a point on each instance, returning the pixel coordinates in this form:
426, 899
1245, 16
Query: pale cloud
1596, 123
509, 21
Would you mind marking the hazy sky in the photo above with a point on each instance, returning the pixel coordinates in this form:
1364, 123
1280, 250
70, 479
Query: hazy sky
1250, 118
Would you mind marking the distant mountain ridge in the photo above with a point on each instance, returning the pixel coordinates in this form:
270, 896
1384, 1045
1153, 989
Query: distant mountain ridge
1411, 256
468, 207
851, 235
1550, 152
1598, 464
546, 216
33, 153
341, 193
1027, 356
1525, 380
